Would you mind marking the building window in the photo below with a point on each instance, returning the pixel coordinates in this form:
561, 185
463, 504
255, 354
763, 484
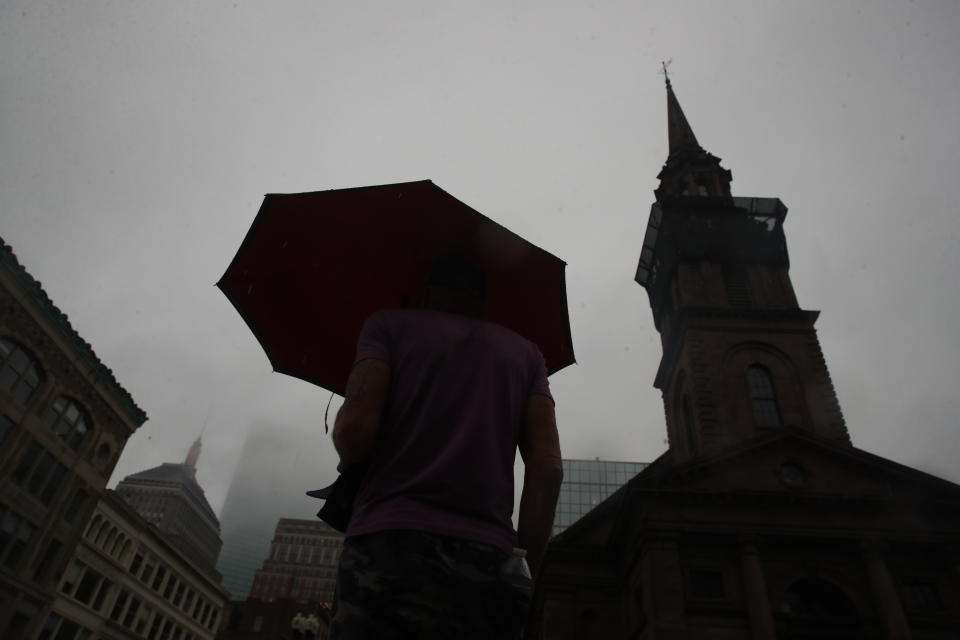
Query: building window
705, 584
132, 614
15, 536
47, 560
88, 586
7, 426
102, 594
75, 505
158, 578
171, 583
118, 606
19, 373
155, 627
71, 577
737, 282
762, 396
50, 626
136, 564
40, 473
68, 421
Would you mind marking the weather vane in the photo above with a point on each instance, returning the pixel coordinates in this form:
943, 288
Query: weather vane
666, 74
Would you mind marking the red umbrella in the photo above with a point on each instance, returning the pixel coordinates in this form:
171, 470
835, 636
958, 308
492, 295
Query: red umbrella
314, 265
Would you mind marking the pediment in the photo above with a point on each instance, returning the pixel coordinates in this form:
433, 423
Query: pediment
792, 463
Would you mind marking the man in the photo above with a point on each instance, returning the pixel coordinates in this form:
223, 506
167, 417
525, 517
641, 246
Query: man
437, 403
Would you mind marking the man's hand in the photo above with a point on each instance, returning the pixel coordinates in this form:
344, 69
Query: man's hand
543, 473
358, 421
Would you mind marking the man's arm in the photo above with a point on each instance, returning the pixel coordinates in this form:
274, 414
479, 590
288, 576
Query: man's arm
358, 421
543, 473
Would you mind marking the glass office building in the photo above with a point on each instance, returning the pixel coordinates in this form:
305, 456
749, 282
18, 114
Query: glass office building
587, 483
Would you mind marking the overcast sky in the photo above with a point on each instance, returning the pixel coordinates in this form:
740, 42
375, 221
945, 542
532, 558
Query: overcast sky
138, 138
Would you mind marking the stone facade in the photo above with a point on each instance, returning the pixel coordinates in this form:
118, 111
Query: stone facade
302, 565
127, 581
64, 419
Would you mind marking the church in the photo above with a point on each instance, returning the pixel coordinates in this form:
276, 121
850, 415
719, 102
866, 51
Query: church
762, 520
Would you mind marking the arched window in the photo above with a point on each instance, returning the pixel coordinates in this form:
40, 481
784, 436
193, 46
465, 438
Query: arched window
762, 396
93, 525
68, 421
19, 373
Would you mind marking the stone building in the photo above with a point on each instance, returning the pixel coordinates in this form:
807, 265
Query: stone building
127, 580
302, 564
64, 419
762, 520
170, 498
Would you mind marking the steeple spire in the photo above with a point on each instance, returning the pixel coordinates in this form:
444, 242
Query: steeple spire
690, 171
680, 135
194, 454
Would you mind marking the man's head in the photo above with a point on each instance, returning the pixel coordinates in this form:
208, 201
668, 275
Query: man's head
456, 285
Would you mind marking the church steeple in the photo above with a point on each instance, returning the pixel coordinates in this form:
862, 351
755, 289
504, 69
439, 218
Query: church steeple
690, 171
678, 129
194, 454
740, 357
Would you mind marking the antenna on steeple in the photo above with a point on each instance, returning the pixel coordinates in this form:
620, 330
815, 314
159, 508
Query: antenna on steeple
665, 72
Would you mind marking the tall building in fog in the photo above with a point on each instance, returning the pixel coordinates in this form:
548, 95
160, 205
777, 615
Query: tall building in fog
276, 468
170, 498
587, 483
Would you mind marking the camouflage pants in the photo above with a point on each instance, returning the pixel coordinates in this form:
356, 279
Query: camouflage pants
410, 584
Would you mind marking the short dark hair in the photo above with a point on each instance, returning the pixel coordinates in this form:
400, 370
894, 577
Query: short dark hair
458, 272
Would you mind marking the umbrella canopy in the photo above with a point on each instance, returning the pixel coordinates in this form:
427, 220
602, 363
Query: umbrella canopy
315, 265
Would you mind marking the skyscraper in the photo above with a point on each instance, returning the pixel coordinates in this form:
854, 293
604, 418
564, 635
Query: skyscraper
587, 483
170, 498
260, 494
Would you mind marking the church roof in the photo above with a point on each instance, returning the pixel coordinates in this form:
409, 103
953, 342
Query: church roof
170, 474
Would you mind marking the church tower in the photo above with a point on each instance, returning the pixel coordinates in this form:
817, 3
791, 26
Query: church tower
740, 357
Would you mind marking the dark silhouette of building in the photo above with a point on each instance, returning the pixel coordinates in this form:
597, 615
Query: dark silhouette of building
302, 564
761, 520
170, 498
64, 419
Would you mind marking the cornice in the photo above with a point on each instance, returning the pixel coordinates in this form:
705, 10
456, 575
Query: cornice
29, 293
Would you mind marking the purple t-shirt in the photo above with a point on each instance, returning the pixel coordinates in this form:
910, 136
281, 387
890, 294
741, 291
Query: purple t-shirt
448, 438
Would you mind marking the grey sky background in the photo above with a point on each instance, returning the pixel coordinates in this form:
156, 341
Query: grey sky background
138, 138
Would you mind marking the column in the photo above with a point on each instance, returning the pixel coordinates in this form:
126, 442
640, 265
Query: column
663, 593
885, 595
755, 586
